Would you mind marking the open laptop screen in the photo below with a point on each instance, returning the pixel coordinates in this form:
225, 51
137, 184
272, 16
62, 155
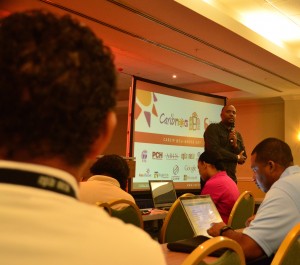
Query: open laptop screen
201, 212
163, 193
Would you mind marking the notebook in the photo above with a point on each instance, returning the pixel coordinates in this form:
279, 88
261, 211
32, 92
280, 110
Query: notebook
163, 193
201, 212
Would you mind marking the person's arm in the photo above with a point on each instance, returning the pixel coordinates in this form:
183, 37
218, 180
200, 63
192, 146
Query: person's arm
249, 220
251, 249
241, 149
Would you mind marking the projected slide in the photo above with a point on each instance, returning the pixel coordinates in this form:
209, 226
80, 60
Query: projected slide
167, 136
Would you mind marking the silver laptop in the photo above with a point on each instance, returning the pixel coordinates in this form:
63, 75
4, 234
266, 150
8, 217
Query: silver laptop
163, 193
201, 212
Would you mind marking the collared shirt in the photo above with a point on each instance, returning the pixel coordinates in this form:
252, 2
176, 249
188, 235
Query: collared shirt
39, 226
223, 191
278, 213
100, 188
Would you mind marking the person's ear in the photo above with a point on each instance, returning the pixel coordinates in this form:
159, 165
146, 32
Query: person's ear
105, 135
271, 165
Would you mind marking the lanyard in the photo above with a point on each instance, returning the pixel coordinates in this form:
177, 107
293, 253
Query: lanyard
36, 180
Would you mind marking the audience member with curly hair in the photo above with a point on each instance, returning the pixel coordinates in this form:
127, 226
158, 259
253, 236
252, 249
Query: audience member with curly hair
57, 98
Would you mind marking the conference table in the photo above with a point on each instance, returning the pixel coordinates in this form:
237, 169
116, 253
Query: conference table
176, 258
155, 214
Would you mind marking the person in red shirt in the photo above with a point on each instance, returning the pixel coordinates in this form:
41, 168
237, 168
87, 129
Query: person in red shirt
222, 189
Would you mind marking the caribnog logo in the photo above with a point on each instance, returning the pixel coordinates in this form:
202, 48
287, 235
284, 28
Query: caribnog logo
192, 123
181, 122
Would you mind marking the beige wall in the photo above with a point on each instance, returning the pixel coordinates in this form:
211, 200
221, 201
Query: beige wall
292, 125
256, 120
118, 142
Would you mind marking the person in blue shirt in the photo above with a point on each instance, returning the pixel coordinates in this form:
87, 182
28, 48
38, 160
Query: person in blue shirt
275, 173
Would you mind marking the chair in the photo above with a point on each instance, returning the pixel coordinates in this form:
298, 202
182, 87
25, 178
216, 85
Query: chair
187, 194
176, 226
242, 210
105, 206
233, 256
130, 214
288, 252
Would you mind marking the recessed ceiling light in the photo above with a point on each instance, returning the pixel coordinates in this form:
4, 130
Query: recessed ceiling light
275, 27
174, 76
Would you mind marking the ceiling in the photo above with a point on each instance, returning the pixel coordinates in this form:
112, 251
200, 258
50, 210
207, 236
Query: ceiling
203, 43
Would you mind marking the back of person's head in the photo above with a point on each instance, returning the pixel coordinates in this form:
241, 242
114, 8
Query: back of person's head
273, 149
113, 166
212, 158
57, 86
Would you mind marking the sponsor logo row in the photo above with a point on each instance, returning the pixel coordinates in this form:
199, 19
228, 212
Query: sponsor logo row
168, 156
175, 175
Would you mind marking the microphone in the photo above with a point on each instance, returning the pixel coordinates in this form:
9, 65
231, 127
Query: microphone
231, 130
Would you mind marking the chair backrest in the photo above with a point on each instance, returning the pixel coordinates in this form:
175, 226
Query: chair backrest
176, 226
233, 256
105, 206
242, 210
187, 195
288, 252
130, 214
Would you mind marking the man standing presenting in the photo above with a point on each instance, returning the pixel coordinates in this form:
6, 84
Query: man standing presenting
224, 139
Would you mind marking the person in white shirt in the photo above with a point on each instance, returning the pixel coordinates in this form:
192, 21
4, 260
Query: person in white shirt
57, 96
108, 181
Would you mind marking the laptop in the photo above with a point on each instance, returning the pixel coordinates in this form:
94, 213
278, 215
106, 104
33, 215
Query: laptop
201, 211
163, 193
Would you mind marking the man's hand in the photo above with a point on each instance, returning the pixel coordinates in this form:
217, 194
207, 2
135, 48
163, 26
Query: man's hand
215, 229
232, 138
251, 249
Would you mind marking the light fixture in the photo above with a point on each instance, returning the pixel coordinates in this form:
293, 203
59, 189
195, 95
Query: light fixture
298, 136
274, 26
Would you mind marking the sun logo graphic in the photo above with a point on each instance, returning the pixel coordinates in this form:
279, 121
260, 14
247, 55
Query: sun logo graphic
146, 105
